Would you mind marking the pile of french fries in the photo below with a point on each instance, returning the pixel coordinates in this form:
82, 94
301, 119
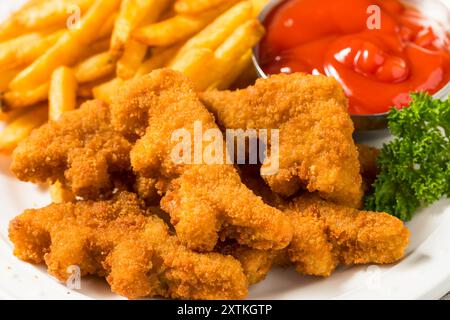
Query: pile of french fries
55, 54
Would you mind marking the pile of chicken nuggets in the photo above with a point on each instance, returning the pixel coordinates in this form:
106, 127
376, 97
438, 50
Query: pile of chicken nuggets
156, 228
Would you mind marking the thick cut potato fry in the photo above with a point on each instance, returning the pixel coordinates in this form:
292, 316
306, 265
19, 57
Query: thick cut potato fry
159, 58
21, 127
95, 67
12, 115
97, 47
258, 6
197, 65
242, 39
131, 14
170, 31
107, 29
62, 98
108, 90
85, 90
40, 16
196, 6
22, 99
6, 77
131, 60
233, 49
207, 68
228, 79
220, 29
25, 49
63, 92
177, 28
68, 48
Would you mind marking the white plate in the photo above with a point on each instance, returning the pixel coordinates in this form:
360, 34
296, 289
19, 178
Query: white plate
423, 274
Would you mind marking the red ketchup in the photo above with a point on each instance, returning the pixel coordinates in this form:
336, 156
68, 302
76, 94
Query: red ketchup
377, 61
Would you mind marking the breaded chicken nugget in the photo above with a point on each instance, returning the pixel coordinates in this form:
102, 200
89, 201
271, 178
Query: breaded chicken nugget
81, 150
316, 148
203, 199
119, 240
326, 234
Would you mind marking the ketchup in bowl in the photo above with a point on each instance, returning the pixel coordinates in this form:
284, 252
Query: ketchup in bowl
379, 50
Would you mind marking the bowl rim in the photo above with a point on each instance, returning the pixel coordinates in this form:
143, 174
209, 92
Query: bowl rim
442, 94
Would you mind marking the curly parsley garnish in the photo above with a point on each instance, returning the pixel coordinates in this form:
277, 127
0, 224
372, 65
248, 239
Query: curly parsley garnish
415, 166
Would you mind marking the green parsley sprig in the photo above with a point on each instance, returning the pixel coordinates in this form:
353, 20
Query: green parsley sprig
415, 165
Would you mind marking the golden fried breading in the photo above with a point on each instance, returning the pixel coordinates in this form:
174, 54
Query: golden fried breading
130, 108
316, 148
81, 150
146, 189
203, 200
255, 263
117, 239
326, 234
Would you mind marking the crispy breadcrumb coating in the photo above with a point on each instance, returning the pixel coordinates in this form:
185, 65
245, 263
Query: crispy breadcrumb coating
327, 234
119, 240
255, 263
317, 151
204, 200
81, 150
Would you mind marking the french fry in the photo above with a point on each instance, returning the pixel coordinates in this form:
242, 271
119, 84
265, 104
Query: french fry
196, 6
107, 90
235, 47
107, 29
63, 92
218, 31
175, 29
21, 99
132, 58
131, 14
220, 63
196, 65
160, 57
258, 6
25, 49
242, 64
40, 16
171, 31
67, 49
6, 77
11, 115
21, 127
242, 39
97, 47
95, 67
85, 90
62, 98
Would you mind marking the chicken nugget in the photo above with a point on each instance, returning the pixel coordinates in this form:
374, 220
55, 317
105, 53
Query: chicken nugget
81, 150
316, 148
120, 240
204, 199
